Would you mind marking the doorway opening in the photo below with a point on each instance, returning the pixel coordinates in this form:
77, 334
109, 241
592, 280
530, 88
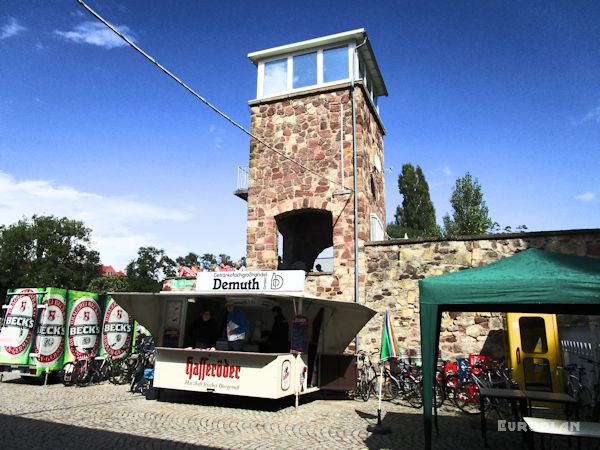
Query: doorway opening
306, 233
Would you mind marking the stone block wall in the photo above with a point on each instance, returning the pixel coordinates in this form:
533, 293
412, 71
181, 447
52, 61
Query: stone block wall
306, 127
395, 267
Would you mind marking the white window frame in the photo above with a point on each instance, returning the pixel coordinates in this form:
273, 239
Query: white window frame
290, 71
374, 216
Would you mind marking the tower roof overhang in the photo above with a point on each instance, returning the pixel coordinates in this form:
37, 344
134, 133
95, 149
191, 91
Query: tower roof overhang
357, 36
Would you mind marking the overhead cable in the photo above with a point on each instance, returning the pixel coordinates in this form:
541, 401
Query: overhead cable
202, 99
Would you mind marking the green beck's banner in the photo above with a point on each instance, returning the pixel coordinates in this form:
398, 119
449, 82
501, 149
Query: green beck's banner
84, 321
17, 335
49, 344
117, 330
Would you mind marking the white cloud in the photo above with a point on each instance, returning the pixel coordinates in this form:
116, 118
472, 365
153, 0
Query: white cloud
217, 133
95, 33
586, 197
120, 225
11, 28
593, 115
447, 171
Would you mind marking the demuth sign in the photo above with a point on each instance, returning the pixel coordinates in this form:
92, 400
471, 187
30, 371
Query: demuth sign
288, 281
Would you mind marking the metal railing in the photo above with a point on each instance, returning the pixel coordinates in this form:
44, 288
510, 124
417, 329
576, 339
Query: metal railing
242, 178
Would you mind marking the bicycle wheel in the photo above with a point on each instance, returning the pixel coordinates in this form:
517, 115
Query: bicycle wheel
500, 406
363, 390
128, 369
84, 375
392, 389
467, 399
414, 393
145, 386
451, 387
438, 394
117, 371
98, 371
583, 395
68, 374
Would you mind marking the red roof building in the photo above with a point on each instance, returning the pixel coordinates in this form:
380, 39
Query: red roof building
109, 271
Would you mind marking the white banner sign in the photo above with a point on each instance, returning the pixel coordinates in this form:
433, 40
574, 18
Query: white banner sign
288, 281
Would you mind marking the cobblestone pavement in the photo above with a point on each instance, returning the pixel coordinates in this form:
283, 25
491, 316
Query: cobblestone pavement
104, 416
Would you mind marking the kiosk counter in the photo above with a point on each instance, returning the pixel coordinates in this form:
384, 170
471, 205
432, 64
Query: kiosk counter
319, 332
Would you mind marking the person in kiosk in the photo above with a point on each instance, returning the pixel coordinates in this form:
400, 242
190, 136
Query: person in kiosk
278, 339
203, 332
236, 327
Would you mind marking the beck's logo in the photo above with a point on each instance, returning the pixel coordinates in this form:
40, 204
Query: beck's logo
25, 303
84, 328
50, 337
116, 331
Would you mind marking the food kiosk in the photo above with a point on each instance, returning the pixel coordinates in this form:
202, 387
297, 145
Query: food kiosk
319, 329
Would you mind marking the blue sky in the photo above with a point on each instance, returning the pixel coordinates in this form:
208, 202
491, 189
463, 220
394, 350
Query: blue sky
509, 91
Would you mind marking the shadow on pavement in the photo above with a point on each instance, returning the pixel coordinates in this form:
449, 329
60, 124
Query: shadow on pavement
232, 401
455, 432
34, 381
18, 433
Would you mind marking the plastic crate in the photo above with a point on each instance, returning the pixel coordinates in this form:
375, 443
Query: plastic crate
476, 362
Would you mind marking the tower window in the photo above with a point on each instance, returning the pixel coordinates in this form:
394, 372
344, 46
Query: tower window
335, 64
300, 71
305, 70
275, 77
376, 228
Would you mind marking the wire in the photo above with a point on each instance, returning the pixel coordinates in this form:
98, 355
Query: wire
202, 99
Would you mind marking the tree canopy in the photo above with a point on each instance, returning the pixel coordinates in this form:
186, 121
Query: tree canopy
111, 283
191, 259
416, 216
47, 251
470, 214
146, 272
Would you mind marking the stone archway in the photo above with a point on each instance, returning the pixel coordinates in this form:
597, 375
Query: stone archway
306, 233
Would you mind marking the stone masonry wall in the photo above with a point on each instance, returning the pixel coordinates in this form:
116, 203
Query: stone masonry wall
395, 267
307, 128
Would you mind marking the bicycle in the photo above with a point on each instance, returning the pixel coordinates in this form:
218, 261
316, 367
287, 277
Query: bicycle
404, 384
595, 394
145, 360
488, 375
121, 370
578, 390
77, 372
446, 382
366, 375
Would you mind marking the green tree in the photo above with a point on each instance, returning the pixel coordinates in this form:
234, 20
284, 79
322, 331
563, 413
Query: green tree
416, 216
146, 272
208, 260
225, 259
470, 213
190, 260
47, 251
106, 284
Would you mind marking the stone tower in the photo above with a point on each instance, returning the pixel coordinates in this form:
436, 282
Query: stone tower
300, 191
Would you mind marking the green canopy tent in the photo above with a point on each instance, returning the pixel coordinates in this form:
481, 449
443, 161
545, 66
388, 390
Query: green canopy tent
531, 281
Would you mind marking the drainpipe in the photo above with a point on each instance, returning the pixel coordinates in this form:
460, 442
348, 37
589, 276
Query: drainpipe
355, 180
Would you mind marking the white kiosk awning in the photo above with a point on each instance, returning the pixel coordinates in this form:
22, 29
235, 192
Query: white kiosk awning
341, 320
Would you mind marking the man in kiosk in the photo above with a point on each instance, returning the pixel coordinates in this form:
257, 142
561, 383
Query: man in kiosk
236, 327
